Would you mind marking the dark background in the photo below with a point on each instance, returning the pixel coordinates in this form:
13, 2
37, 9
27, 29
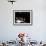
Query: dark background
23, 15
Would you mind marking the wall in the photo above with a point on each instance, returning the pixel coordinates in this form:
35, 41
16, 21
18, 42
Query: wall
37, 31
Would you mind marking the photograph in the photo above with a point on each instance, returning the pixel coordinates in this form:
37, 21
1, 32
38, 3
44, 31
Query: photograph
22, 17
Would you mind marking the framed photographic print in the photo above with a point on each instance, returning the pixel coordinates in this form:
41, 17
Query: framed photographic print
22, 17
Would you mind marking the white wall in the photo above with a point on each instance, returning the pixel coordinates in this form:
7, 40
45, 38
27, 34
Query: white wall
38, 30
